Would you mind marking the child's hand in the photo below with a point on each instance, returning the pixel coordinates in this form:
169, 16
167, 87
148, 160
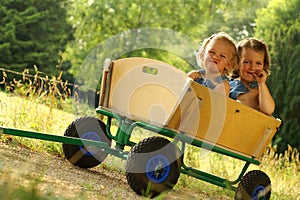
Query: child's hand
261, 76
194, 74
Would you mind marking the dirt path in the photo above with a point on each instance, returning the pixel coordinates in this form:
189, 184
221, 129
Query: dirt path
54, 174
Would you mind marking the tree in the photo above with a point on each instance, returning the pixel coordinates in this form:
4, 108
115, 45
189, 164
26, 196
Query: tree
235, 17
279, 25
32, 33
96, 21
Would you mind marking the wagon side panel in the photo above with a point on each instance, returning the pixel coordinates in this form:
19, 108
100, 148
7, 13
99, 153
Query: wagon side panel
219, 120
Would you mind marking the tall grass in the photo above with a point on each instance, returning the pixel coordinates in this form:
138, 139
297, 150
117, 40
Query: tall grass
283, 170
41, 104
36, 103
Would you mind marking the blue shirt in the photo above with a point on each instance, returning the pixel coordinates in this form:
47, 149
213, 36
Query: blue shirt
208, 83
237, 88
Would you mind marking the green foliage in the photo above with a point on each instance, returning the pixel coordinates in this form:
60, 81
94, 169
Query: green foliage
32, 33
234, 17
95, 22
279, 26
114, 17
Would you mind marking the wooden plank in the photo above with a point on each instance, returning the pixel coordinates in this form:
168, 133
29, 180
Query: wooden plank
145, 89
225, 122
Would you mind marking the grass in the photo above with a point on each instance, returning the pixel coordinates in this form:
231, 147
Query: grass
29, 108
31, 191
283, 170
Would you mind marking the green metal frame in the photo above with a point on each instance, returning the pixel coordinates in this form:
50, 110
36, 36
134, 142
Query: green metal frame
127, 126
63, 139
122, 139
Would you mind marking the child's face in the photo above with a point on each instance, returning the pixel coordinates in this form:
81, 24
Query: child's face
251, 64
217, 56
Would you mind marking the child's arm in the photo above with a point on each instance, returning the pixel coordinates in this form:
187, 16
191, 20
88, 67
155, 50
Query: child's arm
265, 99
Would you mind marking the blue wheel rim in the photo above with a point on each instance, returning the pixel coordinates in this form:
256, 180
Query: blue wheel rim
158, 168
91, 135
257, 191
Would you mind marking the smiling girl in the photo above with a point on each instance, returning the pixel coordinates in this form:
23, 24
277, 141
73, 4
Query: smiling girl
250, 85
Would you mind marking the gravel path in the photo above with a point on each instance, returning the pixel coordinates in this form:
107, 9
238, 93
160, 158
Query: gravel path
22, 166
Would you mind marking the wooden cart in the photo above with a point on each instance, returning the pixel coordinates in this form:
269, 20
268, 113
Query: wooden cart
155, 96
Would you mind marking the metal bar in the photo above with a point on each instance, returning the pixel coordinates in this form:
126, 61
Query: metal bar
123, 134
216, 149
108, 113
108, 126
127, 131
64, 139
195, 142
156, 129
192, 141
225, 183
210, 178
240, 175
122, 127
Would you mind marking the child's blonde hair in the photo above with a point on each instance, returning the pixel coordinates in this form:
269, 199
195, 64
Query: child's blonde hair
230, 41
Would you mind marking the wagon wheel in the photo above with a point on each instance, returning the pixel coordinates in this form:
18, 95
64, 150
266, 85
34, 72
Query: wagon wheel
254, 185
86, 128
153, 166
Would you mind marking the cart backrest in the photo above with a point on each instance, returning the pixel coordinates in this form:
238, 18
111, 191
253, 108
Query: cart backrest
143, 89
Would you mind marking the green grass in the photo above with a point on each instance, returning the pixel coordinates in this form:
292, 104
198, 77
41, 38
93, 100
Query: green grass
284, 174
44, 113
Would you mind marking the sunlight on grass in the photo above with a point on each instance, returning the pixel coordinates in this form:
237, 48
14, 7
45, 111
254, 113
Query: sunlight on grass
283, 170
26, 114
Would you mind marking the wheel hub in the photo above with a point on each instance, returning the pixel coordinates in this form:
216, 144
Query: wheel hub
90, 150
158, 168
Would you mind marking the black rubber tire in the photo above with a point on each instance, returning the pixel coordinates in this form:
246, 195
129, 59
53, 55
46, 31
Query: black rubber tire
86, 156
252, 185
155, 153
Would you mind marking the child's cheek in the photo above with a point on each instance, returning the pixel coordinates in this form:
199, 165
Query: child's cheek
243, 69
